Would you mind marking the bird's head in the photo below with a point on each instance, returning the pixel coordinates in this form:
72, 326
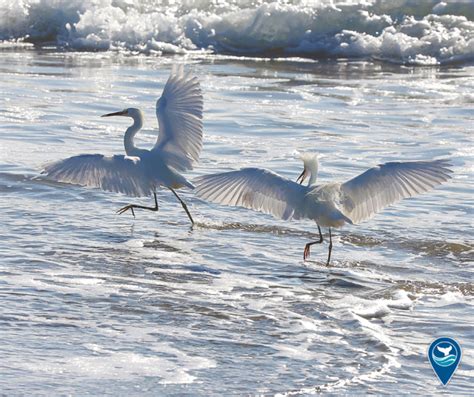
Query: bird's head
129, 112
311, 165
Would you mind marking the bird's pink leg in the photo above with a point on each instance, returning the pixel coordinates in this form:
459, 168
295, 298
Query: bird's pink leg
307, 247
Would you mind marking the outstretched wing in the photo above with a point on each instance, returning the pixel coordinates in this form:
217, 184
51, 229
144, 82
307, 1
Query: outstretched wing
255, 188
388, 183
118, 173
179, 113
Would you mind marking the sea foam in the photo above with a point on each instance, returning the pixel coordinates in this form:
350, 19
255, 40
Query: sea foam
419, 33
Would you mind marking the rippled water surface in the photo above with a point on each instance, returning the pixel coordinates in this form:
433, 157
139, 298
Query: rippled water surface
96, 303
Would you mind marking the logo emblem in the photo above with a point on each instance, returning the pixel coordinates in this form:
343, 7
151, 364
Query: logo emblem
444, 355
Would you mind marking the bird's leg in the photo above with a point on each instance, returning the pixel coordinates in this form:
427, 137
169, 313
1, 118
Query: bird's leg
308, 246
330, 247
132, 206
184, 206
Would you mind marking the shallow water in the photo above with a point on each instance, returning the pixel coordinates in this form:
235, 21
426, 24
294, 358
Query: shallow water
95, 303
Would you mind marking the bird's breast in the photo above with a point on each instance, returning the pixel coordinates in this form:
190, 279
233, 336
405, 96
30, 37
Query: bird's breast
322, 205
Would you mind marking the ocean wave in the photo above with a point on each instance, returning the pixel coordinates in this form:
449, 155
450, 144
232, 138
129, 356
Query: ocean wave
420, 33
444, 361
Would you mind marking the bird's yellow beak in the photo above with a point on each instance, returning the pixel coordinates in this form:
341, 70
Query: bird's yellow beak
302, 176
121, 113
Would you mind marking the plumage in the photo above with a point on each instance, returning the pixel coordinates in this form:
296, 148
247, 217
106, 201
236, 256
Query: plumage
254, 188
120, 174
380, 186
331, 204
179, 113
141, 171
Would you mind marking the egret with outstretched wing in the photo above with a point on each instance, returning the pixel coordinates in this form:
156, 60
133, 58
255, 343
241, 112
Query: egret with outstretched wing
330, 205
140, 172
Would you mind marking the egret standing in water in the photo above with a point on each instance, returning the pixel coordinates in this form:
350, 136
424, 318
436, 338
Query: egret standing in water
331, 205
140, 172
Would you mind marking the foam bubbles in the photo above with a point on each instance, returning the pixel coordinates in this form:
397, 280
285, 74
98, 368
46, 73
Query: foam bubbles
427, 33
382, 307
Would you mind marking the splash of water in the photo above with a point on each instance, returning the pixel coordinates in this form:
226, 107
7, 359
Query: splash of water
421, 33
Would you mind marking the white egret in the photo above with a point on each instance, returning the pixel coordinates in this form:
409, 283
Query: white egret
331, 204
140, 172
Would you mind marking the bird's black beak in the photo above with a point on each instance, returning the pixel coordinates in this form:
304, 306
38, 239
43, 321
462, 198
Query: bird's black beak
121, 113
302, 177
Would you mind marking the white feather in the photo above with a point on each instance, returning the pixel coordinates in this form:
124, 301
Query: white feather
117, 173
179, 112
331, 204
380, 186
254, 188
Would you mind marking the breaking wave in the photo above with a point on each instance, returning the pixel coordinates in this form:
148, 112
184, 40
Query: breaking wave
404, 31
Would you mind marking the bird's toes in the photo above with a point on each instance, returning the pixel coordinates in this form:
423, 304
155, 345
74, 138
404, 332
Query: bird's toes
123, 209
306, 253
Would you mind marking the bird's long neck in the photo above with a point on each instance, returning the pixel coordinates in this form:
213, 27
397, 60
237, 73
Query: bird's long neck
313, 173
128, 139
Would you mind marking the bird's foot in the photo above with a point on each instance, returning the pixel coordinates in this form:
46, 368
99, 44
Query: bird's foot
306, 252
125, 209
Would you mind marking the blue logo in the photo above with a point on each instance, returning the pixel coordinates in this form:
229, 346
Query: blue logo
444, 355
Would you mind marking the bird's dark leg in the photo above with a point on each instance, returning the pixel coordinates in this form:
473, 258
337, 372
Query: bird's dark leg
308, 246
132, 206
330, 247
184, 206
